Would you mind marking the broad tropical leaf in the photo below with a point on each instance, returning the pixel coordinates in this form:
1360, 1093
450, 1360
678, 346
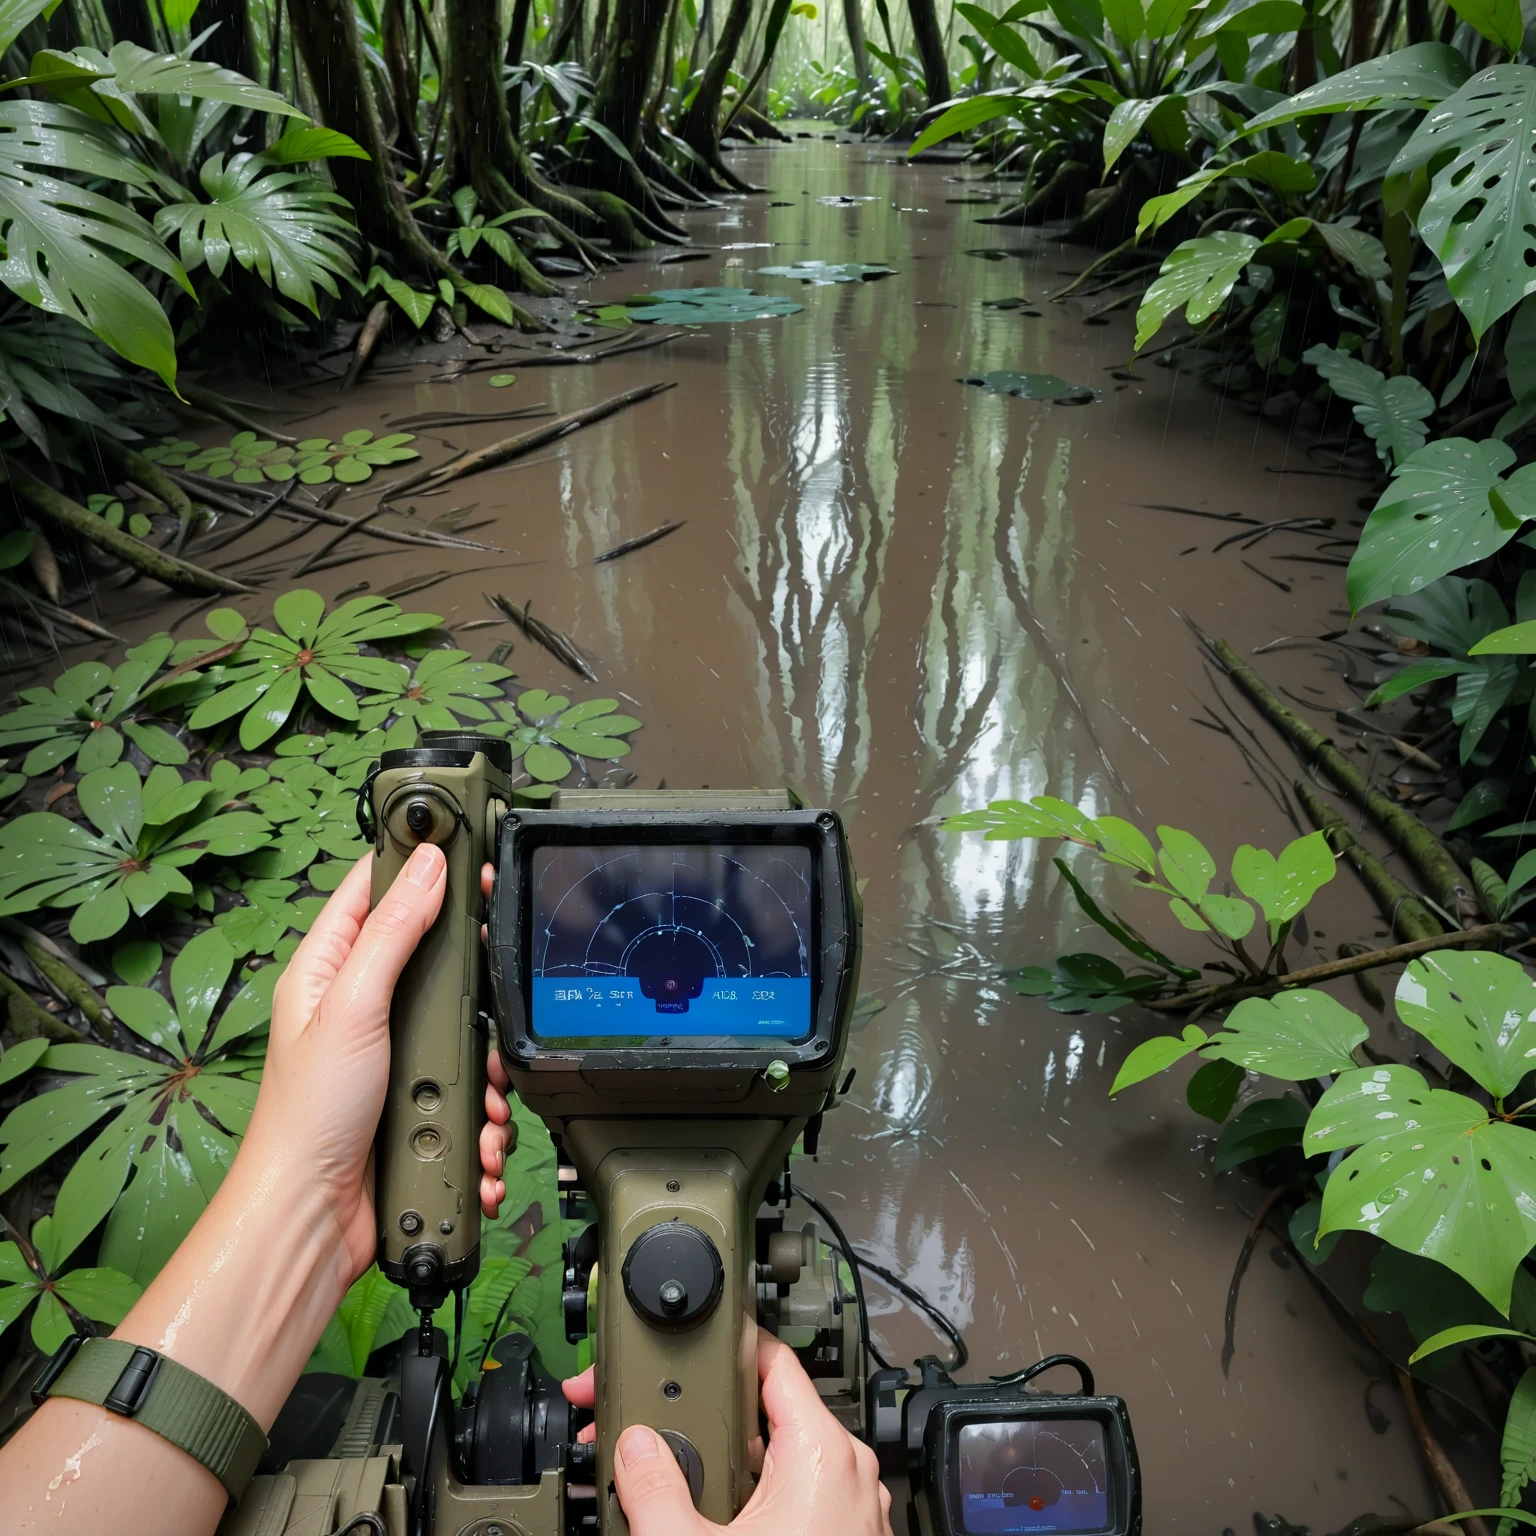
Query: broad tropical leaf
1438, 515
543, 728
1392, 411
446, 688
1283, 172
308, 142
1199, 274
17, 15
278, 224
1499, 21
1480, 216
1420, 76
1294, 1035
1478, 1009
1513, 640
63, 241
1283, 886
1157, 1055
103, 1295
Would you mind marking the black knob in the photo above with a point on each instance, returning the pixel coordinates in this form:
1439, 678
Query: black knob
418, 817
673, 1276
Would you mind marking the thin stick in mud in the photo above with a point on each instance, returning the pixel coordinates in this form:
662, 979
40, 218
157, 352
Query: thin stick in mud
559, 646
630, 545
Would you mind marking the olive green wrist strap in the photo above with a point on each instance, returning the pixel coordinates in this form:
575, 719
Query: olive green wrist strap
177, 1404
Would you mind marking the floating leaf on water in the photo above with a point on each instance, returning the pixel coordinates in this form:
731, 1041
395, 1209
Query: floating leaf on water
846, 200
251, 460
821, 273
1012, 303
989, 253
708, 306
502, 380
1033, 386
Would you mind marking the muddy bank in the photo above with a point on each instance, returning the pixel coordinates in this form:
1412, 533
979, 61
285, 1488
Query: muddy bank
905, 596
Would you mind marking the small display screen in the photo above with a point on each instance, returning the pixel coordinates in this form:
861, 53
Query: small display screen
1033, 1475
681, 940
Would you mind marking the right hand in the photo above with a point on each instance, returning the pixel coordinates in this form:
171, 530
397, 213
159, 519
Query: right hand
816, 1477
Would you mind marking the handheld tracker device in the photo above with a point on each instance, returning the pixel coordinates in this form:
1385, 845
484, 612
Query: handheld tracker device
673, 977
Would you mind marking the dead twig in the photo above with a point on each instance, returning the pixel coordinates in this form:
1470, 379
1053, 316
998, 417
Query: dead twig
630, 545
558, 645
358, 525
367, 340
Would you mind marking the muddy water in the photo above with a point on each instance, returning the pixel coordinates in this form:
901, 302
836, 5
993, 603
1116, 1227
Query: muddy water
906, 596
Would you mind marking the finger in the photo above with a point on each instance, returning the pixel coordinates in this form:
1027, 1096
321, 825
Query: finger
587, 1435
651, 1486
790, 1399
359, 996
581, 1391
496, 1070
321, 952
487, 877
492, 1193
494, 1143
497, 1108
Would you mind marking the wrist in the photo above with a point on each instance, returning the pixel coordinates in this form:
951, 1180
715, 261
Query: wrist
245, 1298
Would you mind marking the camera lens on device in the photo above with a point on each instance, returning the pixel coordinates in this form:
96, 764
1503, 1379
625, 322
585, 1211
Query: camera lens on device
418, 817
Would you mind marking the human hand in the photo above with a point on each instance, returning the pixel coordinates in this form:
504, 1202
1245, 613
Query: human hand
499, 1135
816, 1477
327, 1069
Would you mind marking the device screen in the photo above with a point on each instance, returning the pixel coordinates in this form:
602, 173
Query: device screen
1033, 1475
649, 940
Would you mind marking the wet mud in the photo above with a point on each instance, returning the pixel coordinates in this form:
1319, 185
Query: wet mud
905, 596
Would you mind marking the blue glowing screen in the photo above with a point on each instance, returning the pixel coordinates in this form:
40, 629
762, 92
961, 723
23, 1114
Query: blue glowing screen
1033, 1475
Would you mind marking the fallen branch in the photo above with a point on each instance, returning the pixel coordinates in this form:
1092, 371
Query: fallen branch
1443, 876
429, 419
547, 358
367, 340
559, 646
68, 983
129, 464
1441, 1469
232, 411
1404, 912
630, 545
62, 615
1484, 936
510, 448
28, 1019
1229, 1342
359, 525
180, 575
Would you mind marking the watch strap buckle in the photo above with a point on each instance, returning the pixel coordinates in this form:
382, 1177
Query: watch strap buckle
133, 1384
58, 1363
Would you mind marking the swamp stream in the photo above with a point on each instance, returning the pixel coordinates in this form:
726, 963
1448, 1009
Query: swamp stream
906, 595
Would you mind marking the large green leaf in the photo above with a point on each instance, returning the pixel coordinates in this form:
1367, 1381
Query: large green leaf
17, 15
1419, 76
1512, 640
1392, 411
1432, 1174
1283, 886
1283, 172
1480, 216
1259, 1129
1517, 1451
301, 143
1499, 21
1127, 121
1478, 1009
1294, 1035
1437, 516
281, 225
63, 241
1198, 274
1157, 1055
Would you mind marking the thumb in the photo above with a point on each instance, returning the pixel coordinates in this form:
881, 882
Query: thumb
651, 1486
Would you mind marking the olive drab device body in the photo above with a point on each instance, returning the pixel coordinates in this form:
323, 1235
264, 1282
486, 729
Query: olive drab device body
672, 978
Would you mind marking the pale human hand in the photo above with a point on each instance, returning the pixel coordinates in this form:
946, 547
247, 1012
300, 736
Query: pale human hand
816, 1477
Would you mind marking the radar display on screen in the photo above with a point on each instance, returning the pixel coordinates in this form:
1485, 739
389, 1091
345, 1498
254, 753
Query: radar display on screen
677, 940
1033, 1475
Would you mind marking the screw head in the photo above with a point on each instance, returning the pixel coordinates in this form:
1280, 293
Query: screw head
671, 1390
410, 1223
673, 1186
445, 1227
673, 1296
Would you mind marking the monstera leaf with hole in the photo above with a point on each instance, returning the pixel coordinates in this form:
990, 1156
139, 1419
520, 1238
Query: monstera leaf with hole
281, 225
89, 710
1392, 411
446, 688
312, 652
147, 833
1197, 277
63, 241
177, 1113
545, 731
103, 1295
1480, 216
1447, 507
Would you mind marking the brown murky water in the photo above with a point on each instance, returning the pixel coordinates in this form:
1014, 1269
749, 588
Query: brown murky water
906, 596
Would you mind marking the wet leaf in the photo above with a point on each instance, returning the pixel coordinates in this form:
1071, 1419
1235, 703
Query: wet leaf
1418, 76
821, 273
1213, 1089
1033, 386
1283, 886
1260, 1128
1393, 412
1197, 277
1157, 1055
1293, 1035
1478, 1009
708, 306
502, 380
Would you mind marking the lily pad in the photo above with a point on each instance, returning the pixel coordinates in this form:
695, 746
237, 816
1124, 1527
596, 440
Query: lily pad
708, 306
1033, 386
820, 273
502, 380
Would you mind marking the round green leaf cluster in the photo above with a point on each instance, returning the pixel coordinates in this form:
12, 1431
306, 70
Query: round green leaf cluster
248, 459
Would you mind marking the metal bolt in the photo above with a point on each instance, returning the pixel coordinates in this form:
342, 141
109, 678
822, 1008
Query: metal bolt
673, 1186
673, 1296
445, 1227
671, 1391
410, 1223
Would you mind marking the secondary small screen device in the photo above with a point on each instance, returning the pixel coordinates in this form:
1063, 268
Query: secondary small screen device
671, 939
1027, 1475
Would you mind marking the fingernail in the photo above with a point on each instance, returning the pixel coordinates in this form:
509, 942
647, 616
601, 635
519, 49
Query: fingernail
424, 866
501, 1159
637, 1444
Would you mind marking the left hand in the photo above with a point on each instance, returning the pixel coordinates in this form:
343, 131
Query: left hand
327, 1070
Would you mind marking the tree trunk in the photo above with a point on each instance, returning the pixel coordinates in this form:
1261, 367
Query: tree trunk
930, 48
700, 127
1418, 22
404, 80
705, 29
230, 46
664, 74
568, 35
853, 19
494, 160
1362, 31
325, 32
598, 51
517, 38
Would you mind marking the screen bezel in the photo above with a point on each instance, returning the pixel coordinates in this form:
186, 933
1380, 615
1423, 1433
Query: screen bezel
511, 930
948, 1418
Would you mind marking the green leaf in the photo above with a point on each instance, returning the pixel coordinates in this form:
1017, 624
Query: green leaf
1517, 1452
280, 225
1157, 1055
1230, 916
1008, 820
1282, 887
1436, 516
17, 15
300, 143
1419, 76
1478, 1009
130, 70
1126, 20
1186, 864
1498, 20
1293, 1035
198, 975
1199, 274
50, 1323
1303, 1230
103, 1295
1516, 640
1283, 172
1392, 411
1431, 1174
1127, 121
21, 1058
1481, 202
1463, 1333
417, 306
1426, 1295
1213, 1090
1416, 675
1260, 1128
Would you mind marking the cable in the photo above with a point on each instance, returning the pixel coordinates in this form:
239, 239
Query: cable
372, 1521
853, 1268
937, 1318
458, 1335
1084, 1375
423, 1474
